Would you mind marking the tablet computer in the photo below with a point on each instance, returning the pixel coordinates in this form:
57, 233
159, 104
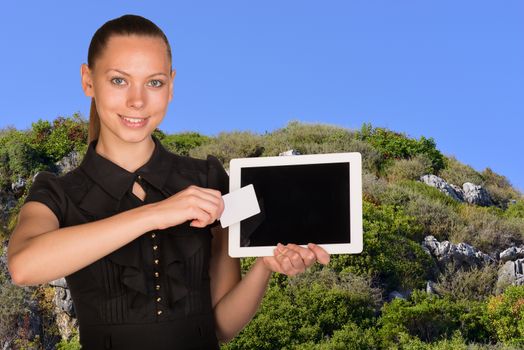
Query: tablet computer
313, 198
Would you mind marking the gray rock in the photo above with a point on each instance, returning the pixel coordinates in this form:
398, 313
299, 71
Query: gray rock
511, 273
512, 253
430, 287
460, 255
19, 185
476, 194
396, 294
69, 162
290, 152
439, 183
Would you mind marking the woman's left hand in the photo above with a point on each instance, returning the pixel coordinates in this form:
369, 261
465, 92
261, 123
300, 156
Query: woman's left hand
293, 259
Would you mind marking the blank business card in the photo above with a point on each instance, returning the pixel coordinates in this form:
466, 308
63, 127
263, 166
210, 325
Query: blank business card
239, 205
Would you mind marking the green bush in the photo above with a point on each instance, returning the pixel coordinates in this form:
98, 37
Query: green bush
499, 188
393, 145
506, 315
515, 210
183, 143
431, 318
409, 169
477, 283
57, 139
486, 230
389, 254
457, 173
308, 309
229, 145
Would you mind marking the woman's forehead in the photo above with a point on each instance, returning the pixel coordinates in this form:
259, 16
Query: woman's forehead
135, 53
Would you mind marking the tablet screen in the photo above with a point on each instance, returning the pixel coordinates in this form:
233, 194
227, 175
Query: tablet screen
299, 204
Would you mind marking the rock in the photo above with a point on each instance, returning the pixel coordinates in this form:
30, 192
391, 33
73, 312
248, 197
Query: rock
476, 194
396, 294
68, 163
450, 190
19, 185
430, 287
462, 255
511, 273
512, 253
290, 152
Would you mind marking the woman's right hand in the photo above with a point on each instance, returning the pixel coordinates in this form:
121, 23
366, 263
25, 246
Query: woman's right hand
202, 206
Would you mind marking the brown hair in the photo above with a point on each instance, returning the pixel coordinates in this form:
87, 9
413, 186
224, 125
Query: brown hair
124, 25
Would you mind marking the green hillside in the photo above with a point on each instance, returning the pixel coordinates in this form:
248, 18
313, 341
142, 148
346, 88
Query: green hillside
441, 303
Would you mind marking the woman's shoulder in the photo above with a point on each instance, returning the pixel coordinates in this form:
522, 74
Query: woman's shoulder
188, 163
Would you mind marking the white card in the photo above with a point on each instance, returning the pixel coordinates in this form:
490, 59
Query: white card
239, 205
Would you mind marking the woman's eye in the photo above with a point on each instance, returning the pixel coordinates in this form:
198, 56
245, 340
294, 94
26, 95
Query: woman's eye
117, 81
157, 83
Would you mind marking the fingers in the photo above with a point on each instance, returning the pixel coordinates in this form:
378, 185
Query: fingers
290, 260
321, 255
308, 257
205, 206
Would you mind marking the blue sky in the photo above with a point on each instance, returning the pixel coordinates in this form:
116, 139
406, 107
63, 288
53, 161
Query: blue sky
451, 70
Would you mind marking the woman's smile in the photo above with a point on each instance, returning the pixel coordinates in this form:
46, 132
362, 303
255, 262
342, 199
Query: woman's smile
133, 122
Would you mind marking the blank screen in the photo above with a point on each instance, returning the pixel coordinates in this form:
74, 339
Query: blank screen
299, 204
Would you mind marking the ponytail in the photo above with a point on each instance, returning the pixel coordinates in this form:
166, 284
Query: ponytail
94, 123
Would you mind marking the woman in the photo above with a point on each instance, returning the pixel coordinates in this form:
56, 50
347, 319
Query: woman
134, 227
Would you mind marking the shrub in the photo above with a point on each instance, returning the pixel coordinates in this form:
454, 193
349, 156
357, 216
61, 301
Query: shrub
183, 143
226, 146
515, 210
389, 252
457, 173
486, 230
499, 188
433, 210
462, 284
430, 318
409, 169
308, 309
393, 145
506, 315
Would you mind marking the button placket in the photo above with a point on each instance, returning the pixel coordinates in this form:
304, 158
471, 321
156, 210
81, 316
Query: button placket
156, 272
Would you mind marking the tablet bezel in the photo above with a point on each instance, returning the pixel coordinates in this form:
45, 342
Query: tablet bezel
355, 199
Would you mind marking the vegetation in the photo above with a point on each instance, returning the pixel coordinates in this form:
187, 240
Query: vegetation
348, 304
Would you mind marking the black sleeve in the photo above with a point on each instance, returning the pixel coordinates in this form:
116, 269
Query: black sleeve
45, 189
217, 178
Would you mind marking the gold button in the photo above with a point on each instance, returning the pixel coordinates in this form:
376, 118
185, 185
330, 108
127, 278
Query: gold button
156, 261
158, 299
157, 287
155, 247
153, 235
157, 274
159, 312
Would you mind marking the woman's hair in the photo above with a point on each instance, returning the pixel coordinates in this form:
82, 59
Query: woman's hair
125, 25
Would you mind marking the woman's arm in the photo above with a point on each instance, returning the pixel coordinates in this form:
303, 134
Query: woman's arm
235, 299
39, 251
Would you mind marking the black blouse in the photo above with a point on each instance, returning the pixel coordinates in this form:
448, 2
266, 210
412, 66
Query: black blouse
154, 292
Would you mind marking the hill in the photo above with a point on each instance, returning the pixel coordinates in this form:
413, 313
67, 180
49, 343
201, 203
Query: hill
440, 266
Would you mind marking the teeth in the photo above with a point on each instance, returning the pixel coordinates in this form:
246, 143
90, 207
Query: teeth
133, 120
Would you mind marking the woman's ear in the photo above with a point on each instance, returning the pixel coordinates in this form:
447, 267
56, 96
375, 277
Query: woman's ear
171, 84
87, 81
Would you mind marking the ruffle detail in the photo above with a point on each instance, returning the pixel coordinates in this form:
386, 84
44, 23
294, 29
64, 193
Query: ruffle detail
179, 245
180, 248
133, 276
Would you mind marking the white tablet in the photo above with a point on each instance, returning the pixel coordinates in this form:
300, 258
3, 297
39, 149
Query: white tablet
313, 198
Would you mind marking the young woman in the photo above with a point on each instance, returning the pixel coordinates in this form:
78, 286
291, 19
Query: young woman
134, 227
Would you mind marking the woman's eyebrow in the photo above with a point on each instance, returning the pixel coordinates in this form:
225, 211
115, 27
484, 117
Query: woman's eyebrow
124, 73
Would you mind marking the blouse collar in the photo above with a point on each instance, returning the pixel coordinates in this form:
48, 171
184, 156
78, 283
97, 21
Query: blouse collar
116, 180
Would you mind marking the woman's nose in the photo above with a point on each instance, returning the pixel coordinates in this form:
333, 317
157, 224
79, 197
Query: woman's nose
136, 97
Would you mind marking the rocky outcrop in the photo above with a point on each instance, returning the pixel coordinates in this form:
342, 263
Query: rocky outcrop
469, 193
450, 190
475, 194
64, 308
512, 253
461, 255
511, 273
69, 162
290, 152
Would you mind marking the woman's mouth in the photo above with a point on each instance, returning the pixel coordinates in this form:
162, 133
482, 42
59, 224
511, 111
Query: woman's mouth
133, 122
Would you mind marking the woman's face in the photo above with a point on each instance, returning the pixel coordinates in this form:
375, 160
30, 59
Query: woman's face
132, 86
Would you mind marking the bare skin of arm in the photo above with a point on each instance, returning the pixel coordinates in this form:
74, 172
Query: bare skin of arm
235, 299
39, 251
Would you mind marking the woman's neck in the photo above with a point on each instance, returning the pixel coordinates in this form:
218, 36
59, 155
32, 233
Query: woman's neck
127, 155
